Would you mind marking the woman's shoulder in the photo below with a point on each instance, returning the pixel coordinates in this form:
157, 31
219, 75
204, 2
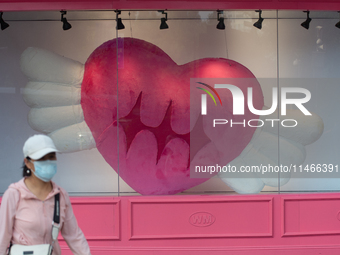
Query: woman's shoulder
62, 191
56, 188
21, 188
15, 187
12, 192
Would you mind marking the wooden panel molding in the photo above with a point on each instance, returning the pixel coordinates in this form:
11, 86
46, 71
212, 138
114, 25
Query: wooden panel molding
310, 216
99, 218
200, 218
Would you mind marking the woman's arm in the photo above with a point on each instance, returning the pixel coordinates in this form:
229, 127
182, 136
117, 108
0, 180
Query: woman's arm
71, 232
8, 208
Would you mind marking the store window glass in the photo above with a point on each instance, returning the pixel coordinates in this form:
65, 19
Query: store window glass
188, 109
173, 144
307, 59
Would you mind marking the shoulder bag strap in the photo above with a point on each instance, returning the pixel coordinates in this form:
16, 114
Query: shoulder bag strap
56, 218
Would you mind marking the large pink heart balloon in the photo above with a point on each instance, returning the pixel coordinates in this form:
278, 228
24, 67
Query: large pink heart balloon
148, 95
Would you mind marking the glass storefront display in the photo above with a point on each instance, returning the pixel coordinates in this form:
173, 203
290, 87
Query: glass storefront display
121, 103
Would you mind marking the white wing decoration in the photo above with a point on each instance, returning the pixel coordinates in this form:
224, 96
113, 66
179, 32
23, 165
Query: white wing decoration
53, 93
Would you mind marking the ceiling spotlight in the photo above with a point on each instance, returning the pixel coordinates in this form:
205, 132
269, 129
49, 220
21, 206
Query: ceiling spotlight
66, 25
338, 24
220, 24
120, 24
4, 25
163, 21
305, 24
258, 24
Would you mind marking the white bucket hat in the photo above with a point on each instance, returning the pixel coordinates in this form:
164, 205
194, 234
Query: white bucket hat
38, 146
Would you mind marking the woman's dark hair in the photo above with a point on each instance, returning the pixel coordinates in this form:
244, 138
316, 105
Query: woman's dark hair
25, 170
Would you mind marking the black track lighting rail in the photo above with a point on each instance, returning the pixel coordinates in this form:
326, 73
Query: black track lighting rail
220, 25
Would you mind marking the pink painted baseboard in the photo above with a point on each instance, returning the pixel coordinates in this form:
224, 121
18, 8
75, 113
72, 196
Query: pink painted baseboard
210, 224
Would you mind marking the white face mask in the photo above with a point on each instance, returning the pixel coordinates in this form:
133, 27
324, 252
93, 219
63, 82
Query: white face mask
45, 170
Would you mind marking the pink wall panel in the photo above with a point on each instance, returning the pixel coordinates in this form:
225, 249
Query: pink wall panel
99, 217
203, 218
184, 225
312, 216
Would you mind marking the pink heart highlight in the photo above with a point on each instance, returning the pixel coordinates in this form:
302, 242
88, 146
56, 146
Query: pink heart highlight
148, 94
